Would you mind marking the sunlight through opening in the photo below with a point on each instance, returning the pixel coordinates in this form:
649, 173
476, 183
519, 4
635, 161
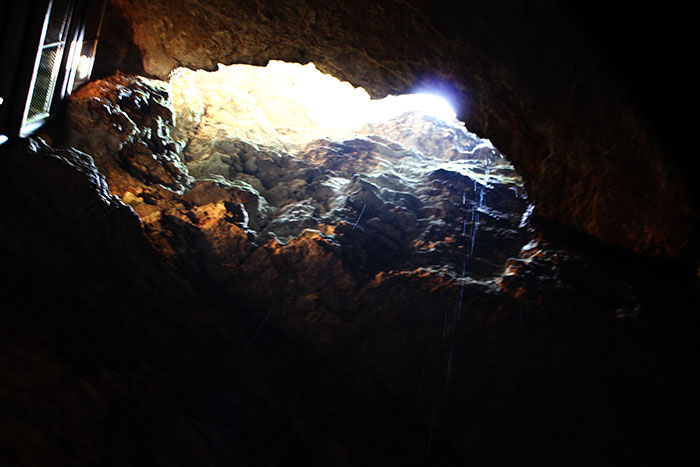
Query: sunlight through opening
318, 153
294, 104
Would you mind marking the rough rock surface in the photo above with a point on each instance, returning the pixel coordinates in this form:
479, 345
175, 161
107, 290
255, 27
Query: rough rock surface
409, 192
113, 357
520, 73
321, 350
128, 120
412, 192
195, 336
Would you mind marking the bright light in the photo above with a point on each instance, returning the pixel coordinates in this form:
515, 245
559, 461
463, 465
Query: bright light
292, 104
84, 67
429, 104
436, 106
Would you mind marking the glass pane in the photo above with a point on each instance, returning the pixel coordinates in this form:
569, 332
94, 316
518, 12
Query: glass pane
83, 66
58, 20
43, 85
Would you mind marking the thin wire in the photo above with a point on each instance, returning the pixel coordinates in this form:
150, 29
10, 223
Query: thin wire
359, 217
250, 342
152, 354
402, 161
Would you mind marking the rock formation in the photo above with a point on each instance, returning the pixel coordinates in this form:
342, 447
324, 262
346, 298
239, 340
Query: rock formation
185, 291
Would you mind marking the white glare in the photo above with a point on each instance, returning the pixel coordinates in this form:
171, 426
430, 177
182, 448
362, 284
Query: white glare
84, 67
429, 104
294, 103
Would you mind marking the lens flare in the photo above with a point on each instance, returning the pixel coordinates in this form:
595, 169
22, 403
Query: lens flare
426, 103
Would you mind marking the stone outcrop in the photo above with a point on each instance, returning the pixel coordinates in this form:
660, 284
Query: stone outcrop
127, 121
521, 74
411, 192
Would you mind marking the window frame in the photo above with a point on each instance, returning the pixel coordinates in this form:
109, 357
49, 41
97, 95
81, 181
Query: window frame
34, 122
71, 45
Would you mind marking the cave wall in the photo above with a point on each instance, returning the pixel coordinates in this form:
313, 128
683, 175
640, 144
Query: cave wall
523, 74
114, 355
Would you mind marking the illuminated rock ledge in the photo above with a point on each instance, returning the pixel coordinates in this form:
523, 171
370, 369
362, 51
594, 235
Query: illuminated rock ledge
398, 189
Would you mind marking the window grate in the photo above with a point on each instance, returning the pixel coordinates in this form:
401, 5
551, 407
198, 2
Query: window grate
58, 22
65, 57
47, 70
44, 83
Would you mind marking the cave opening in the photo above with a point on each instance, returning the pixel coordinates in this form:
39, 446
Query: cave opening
399, 182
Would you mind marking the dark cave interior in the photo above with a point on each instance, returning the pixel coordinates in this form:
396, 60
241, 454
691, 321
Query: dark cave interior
179, 292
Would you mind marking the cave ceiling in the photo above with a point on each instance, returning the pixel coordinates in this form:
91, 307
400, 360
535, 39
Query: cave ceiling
520, 73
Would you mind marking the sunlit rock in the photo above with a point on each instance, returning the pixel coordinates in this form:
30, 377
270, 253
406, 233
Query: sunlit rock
397, 189
125, 123
403, 187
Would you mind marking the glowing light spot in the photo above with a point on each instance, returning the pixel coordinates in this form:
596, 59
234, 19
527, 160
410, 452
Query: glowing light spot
429, 104
84, 67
